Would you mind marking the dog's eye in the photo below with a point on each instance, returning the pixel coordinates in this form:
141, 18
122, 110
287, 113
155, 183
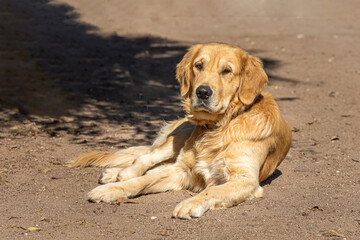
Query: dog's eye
199, 66
226, 71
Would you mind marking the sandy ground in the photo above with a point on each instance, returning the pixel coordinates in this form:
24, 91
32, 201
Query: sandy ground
80, 75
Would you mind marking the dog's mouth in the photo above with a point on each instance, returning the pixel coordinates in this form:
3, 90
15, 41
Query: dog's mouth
201, 112
201, 117
203, 106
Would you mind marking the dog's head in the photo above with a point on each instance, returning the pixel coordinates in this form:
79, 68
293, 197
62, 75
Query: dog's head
217, 77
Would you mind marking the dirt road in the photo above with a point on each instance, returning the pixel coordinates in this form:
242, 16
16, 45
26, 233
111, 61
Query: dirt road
80, 75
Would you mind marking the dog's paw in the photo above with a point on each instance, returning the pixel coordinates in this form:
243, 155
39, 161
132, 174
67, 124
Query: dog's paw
259, 192
128, 173
110, 175
190, 208
107, 193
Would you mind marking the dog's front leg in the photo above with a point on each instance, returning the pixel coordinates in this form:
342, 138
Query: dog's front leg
220, 196
242, 163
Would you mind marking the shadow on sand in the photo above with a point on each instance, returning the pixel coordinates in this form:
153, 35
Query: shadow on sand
56, 72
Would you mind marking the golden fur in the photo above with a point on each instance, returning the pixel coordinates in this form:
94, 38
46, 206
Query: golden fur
232, 138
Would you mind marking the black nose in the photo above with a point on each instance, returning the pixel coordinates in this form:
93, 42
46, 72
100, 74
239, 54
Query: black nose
204, 92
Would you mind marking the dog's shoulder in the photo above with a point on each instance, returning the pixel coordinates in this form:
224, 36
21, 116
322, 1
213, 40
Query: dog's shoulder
263, 108
265, 104
259, 121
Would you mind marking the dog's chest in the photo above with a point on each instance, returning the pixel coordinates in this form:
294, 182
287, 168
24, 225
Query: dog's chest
210, 157
211, 164
214, 172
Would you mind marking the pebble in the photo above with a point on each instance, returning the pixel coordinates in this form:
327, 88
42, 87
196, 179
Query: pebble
334, 138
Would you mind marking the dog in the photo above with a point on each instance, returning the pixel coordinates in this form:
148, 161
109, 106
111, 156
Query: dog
232, 138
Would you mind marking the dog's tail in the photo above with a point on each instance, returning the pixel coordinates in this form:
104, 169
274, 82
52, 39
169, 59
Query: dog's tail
122, 158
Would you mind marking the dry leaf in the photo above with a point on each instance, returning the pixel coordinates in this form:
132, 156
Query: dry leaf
16, 226
57, 163
46, 170
161, 233
332, 233
295, 129
317, 208
34, 229
313, 121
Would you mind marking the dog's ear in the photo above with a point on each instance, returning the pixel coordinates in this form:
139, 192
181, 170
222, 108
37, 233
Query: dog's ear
254, 80
184, 71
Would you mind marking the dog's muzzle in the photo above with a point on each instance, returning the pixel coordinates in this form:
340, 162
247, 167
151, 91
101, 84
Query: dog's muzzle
203, 100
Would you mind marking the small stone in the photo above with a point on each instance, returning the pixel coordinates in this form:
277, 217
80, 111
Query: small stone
335, 138
333, 94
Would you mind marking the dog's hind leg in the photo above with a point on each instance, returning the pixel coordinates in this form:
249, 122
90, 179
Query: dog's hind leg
109, 175
135, 161
166, 147
168, 178
143, 163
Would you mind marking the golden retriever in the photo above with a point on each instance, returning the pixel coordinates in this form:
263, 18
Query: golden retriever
232, 138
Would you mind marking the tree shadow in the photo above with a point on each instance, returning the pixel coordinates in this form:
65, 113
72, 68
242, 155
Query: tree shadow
62, 76
57, 72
